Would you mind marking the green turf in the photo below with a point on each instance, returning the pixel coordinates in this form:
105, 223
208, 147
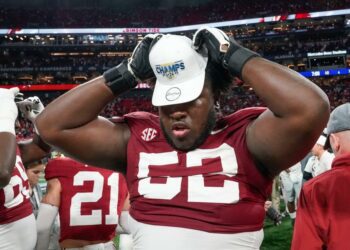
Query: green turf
277, 237
116, 241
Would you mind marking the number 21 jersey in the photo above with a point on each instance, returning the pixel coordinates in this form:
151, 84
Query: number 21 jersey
91, 199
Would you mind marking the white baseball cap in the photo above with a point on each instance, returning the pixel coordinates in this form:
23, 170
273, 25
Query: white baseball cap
180, 70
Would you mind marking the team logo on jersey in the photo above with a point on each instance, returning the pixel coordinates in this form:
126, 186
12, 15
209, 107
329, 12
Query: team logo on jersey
170, 70
149, 134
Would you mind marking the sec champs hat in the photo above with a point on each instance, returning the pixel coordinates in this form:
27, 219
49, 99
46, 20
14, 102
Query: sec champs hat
339, 120
180, 70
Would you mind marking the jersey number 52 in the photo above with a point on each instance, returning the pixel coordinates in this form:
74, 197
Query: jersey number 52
197, 191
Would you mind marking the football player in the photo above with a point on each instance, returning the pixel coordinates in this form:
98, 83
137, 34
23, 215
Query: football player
196, 181
17, 222
291, 182
88, 200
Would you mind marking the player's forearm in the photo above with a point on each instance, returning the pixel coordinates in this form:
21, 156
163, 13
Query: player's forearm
76, 108
33, 149
46, 217
8, 116
7, 157
285, 92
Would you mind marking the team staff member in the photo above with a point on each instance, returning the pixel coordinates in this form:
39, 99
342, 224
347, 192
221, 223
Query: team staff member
323, 216
195, 181
17, 221
33, 171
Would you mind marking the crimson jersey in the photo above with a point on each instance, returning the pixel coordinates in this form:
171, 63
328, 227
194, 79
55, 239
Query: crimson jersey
14, 198
323, 216
91, 199
215, 188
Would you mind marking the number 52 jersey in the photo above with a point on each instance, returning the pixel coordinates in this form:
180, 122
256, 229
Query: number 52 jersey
91, 199
215, 188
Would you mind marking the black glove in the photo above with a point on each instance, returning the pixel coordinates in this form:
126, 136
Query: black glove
139, 61
222, 49
124, 76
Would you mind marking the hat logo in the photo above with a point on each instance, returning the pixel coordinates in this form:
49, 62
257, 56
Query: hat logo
173, 94
170, 70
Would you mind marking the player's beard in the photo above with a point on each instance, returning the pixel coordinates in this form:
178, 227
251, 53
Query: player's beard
211, 121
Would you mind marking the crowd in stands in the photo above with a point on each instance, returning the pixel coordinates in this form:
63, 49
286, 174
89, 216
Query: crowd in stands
156, 14
240, 96
55, 63
59, 59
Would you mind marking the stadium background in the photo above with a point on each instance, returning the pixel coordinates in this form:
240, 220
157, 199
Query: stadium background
49, 47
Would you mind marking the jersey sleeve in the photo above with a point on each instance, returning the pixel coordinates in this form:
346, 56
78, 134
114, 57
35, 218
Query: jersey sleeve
123, 192
245, 116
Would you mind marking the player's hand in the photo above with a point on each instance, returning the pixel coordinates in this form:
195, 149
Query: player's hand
222, 49
8, 109
215, 41
124, 76
139, 62
267, 205
31, 107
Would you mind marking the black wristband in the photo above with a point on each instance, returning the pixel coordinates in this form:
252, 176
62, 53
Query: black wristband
236, 57
119, 78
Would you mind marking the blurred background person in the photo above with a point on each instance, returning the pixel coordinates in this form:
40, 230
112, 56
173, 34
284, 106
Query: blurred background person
291, 180
323, 216
34, 170
321, 159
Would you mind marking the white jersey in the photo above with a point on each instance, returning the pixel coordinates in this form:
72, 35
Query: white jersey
291, 182
317, 166
295, 172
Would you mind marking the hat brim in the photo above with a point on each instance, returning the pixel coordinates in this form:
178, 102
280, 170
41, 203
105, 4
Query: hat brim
170, 94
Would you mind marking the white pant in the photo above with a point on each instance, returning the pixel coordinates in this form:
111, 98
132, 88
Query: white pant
151, 237
101, 246
291, 185
19, 235
125, 242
